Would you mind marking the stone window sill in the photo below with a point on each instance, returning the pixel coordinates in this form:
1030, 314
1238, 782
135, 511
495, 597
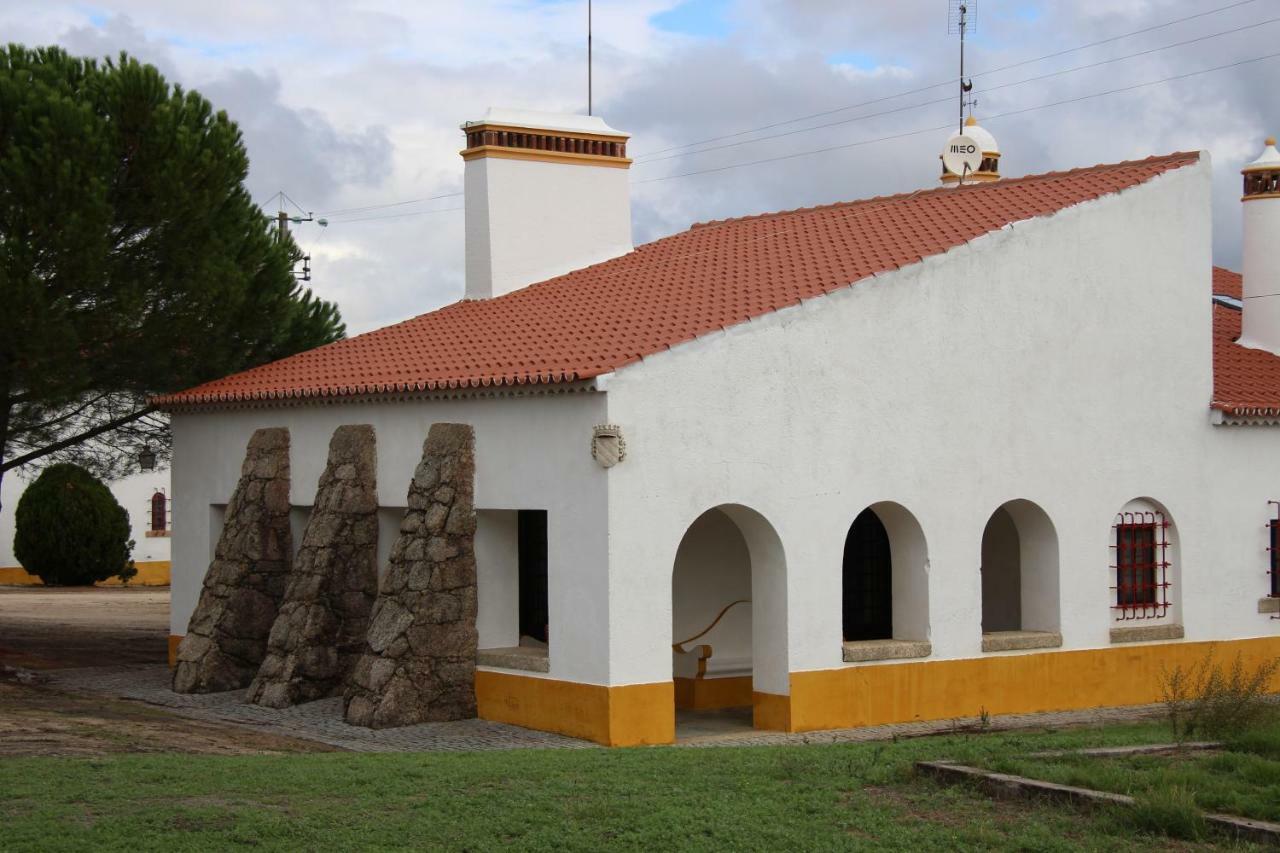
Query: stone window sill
528, 658
1014, 641
157, 534
868, 650
1146, 633
1269, 604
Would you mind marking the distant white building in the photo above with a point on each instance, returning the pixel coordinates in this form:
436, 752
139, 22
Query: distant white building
145, 496
992, 447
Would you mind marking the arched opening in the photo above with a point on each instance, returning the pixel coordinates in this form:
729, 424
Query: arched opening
1019, 579
1144, 568
867, 602
885, 586
728, 592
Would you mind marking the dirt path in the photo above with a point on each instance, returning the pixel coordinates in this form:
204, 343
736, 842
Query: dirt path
44, 629
83, 626
40, 721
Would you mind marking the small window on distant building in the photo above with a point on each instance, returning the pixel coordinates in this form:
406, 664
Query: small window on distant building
1141, 565
159, 513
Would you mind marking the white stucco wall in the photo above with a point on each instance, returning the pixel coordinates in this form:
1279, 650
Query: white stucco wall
1063, 360
531, 453
134, 494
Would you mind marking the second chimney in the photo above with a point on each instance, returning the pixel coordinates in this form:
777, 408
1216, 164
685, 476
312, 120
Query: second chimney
1261, 313
546, 194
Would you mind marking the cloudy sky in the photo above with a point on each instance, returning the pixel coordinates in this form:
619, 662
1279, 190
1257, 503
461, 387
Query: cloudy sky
352, 107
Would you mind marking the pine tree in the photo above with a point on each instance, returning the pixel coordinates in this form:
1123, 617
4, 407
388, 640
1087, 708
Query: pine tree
132, 259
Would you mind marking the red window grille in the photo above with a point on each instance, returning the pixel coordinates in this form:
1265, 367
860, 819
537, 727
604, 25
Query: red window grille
1273, 551
159, 512
1141, 565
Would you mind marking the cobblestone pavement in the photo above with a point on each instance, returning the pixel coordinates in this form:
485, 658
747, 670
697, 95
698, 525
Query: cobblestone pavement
322, 721
318, 721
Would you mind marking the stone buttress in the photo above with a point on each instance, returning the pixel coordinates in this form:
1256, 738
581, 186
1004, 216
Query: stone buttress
420, 658
320, 630
227, 636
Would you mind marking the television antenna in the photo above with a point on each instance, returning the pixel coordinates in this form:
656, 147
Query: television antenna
283, 219
589, 104
962, 19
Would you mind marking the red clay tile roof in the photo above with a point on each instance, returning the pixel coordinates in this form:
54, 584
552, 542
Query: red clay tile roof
1228, 283
718, 274
1245, 381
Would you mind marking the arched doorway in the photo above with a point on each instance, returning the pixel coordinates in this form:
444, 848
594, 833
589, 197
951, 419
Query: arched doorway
1019, 579
729, 641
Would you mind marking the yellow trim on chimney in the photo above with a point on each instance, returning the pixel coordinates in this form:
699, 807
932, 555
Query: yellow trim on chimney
501, 152
1258, 196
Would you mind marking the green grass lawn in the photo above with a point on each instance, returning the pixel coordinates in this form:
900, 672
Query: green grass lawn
854, 796
1243, 779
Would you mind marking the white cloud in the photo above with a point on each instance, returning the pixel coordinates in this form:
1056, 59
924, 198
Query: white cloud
346, 104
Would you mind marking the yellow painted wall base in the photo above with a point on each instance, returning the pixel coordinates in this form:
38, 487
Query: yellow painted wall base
771, 711
150, 573
174, 640
705, 694
1001, 684
628, 715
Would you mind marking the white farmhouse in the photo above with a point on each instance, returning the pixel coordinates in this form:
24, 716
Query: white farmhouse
993, 446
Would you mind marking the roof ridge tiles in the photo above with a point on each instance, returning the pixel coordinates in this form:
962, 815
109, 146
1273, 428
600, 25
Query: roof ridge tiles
1004, 183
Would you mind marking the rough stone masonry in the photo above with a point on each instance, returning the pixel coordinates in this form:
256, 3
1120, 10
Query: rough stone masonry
320, 630
419, 663
227, 636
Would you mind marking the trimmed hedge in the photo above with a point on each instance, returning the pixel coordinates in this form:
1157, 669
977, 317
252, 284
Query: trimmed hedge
71, 531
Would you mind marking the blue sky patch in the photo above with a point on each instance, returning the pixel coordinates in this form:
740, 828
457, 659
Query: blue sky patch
854, 58
702, 18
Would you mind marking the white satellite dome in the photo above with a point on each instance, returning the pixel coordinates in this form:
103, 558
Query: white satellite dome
981, 135
989, 170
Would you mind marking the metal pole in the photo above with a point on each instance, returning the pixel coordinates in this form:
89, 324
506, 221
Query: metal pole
589, 105
963, 11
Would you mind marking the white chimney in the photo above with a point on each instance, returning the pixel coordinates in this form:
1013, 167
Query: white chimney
546, 193
1260, 327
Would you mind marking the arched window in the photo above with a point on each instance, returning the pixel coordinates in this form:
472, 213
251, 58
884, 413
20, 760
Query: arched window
1019, 564
868, 580
159, 512
1141, 551
1144, 574
885, 586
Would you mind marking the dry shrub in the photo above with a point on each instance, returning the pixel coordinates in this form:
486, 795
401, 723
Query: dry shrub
1208, 699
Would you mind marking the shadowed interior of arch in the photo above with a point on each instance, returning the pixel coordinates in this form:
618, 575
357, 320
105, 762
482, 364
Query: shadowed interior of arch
885, 586
728, 562
1019, 566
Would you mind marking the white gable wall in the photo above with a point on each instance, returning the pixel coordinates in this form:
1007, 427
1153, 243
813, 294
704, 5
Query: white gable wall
1064, 360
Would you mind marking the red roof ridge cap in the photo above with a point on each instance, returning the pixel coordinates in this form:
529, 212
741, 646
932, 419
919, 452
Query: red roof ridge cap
1187, 156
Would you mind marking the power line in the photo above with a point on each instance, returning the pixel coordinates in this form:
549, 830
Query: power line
949, 124
285, 195
397, 215
1019, 64
390, 204
948, 98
